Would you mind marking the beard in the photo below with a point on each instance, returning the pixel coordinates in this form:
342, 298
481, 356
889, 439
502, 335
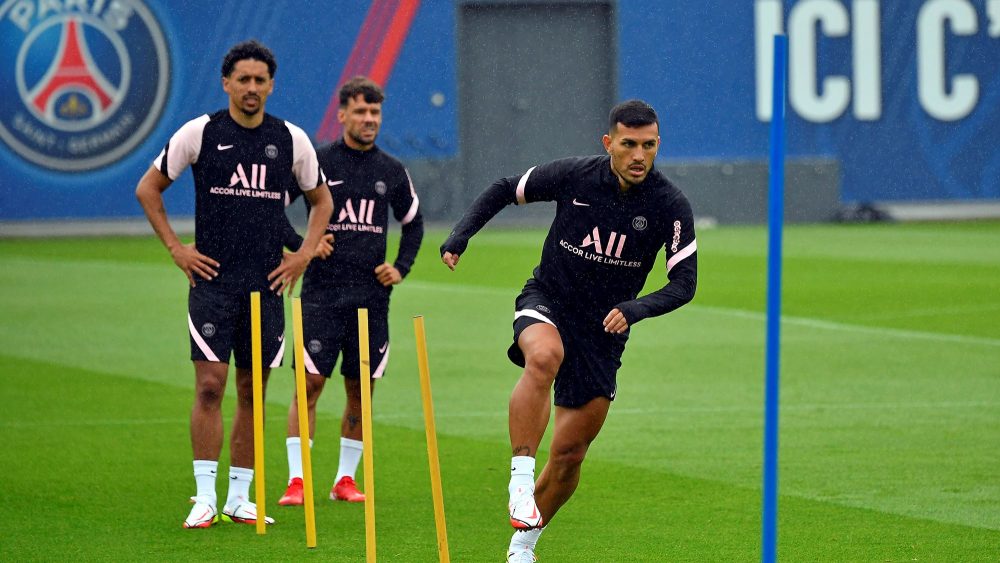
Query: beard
357, 138
627, 179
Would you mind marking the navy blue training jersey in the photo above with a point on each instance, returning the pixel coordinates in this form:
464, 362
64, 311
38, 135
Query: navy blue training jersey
366, 186
240, 179
603, 241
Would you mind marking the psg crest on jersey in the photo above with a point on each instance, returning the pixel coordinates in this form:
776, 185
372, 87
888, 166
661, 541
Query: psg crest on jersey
82, 83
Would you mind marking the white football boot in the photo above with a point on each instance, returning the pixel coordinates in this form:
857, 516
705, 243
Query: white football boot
243, 513
521, 556
202, 515
524, 514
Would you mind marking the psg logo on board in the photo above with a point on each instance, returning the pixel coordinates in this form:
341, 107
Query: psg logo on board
82, 83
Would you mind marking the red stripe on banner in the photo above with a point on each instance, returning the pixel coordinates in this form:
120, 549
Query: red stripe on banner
372, 37
393, 42
374, 53
373, 28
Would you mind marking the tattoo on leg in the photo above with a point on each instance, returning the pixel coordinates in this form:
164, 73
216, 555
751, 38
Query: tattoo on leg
352, 421
521, 450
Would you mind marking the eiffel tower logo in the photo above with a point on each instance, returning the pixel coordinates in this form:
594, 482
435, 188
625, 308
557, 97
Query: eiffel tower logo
73, 88
82, 84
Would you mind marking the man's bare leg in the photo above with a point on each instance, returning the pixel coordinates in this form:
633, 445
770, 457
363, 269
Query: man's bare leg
351, 444
314, 388
206, 439
206, 414
574, 431
241, 447
530, 406
530, 403
315, 383
350, 424
241, 451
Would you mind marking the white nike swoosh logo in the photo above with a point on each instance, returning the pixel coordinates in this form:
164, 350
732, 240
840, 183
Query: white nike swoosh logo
334, 182
224, 147
580, 203
382, 349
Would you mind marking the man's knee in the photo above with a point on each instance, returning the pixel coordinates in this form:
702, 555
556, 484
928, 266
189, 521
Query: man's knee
244, 386
545, 360
210, 383
314, 387
352, 388
209, 393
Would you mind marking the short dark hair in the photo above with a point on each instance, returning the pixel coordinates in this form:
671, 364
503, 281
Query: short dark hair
632, 113
251, 49
364, 86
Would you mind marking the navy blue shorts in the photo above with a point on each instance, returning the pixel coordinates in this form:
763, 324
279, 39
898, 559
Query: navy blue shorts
219, 325
591, 357
329, 331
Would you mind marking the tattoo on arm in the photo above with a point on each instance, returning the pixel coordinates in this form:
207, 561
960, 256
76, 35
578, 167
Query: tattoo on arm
521, 450
352, 422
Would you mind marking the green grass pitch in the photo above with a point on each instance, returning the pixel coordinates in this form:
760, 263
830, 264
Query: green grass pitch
890, 409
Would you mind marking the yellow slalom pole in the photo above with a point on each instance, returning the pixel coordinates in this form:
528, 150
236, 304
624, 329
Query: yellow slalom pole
366, 429
432, 448
303, 407
258, 409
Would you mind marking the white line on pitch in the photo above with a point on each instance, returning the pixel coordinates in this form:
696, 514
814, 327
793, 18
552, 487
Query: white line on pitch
844, 327
122, 421
730, 409
752, 315
109, 422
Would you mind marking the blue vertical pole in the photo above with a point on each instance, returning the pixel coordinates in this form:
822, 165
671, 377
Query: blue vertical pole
776, 208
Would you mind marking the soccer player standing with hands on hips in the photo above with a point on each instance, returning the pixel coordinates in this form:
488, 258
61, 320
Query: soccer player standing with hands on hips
368, 183
572, 319
243, 161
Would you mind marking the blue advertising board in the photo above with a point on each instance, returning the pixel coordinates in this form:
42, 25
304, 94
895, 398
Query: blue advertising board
93, 89
906, 95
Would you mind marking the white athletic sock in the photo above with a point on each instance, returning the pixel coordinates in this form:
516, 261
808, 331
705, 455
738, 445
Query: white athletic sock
239, 485
522, 540
293, 445
204, 479
350, 456
522, 474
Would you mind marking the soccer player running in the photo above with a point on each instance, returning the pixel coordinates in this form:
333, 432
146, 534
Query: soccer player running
613, 214
243, 160
367, 183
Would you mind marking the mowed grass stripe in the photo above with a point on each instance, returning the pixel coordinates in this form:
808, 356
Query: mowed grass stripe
672, 363
690, 388
119, 494
496, 292
76, 315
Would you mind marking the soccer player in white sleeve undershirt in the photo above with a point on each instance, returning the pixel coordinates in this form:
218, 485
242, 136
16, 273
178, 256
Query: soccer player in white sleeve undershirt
243, 161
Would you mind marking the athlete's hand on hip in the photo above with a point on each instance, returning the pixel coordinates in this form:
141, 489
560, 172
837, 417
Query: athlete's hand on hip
615, 322
387, 274
191, 262
325, 247
293, 264
450, 260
